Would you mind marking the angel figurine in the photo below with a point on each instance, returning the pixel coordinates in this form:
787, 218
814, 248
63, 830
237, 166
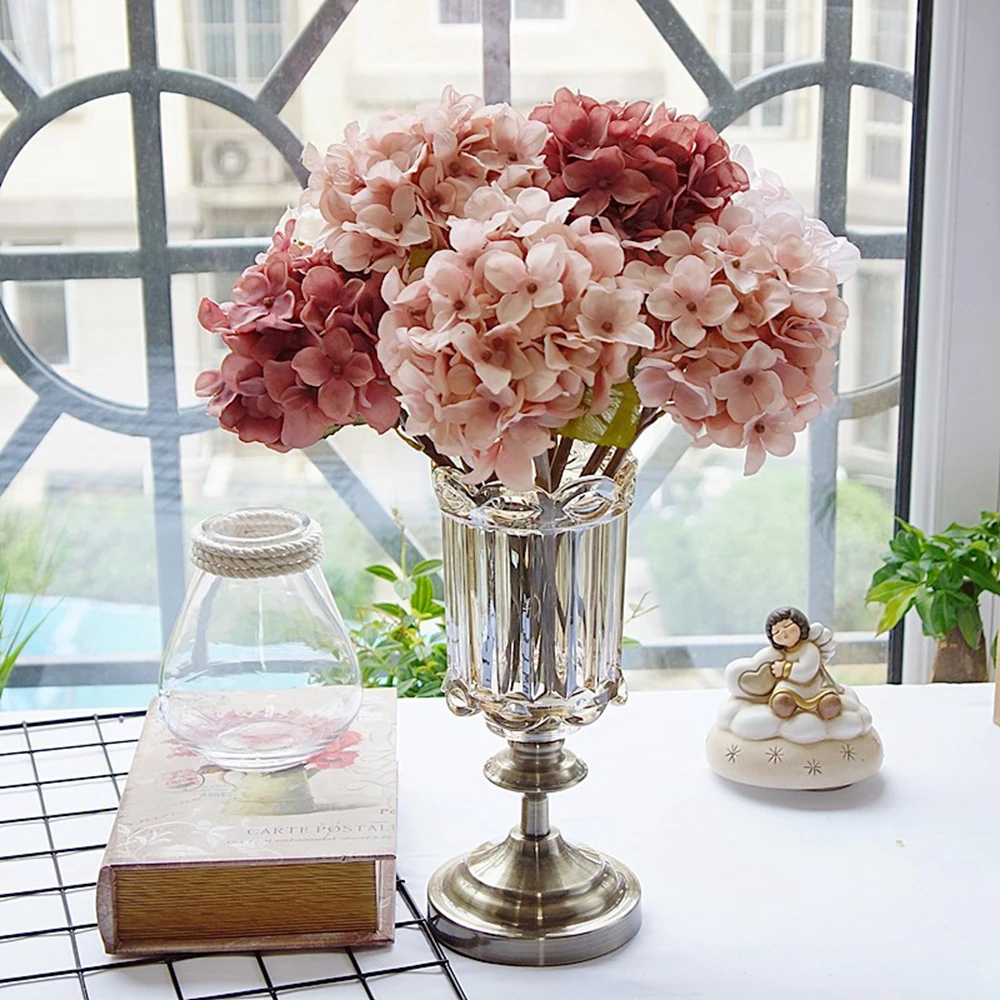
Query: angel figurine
787, 722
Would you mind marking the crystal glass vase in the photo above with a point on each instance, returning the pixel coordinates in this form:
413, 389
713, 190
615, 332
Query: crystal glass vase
259, 673
534, 591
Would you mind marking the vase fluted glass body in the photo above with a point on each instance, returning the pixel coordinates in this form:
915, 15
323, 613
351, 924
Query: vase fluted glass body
259, 673
534, 594
534, 590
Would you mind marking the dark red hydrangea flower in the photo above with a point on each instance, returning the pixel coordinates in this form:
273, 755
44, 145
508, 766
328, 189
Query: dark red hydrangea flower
645, 173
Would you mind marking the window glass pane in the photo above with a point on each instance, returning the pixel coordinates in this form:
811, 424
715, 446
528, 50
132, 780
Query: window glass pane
887, 108
889, 32
885, 157
26, 29
217, 11
880, 294
539, 10
692, 553
741, 40
263, 51
774, 33
220, 51
38, 309
263, 11
459, 11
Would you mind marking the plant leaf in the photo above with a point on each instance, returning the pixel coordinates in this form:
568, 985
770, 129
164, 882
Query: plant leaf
882, 593
395, 610
425, 567
613, 427
383, 572
423, 595
895, 607
405, 588
970, 625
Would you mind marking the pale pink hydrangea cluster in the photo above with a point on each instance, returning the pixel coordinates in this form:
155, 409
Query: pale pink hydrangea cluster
523, 324
751, 314
394, 187
478, 281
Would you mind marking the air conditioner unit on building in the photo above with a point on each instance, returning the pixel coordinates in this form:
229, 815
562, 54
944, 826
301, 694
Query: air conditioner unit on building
235, 158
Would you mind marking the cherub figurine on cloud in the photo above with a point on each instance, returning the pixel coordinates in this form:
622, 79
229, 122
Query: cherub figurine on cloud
787, 722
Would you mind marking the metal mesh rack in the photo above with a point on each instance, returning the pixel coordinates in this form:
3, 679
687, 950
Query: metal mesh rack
60, 783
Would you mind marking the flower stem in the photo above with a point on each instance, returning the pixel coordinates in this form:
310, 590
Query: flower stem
596, 459
559, 460
543, 472
427, 446
615, 464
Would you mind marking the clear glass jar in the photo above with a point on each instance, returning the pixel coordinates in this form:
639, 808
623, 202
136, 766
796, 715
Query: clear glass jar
259, 673
534, 591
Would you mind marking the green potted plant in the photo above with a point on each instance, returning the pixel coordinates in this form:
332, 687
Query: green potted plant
943, 576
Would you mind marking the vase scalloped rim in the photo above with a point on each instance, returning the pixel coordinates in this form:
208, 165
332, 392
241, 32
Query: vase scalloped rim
582, 500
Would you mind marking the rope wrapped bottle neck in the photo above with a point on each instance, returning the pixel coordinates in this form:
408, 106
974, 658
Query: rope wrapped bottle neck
257, 543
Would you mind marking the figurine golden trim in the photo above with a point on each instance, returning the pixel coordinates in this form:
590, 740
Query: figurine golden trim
787, 722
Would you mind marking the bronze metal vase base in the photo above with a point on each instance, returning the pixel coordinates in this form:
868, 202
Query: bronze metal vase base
534, 899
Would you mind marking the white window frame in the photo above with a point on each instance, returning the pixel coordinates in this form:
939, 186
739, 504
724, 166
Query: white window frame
956, 454
725, 38
240, 23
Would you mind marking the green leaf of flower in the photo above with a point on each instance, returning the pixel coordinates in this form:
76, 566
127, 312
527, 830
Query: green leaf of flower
613, 427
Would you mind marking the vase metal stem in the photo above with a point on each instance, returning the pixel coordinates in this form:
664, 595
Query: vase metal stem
534, 899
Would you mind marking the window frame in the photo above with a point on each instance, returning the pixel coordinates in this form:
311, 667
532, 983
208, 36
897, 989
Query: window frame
956, 434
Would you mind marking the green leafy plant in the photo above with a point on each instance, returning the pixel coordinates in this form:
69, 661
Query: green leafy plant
942, 576
401, 643
14, 638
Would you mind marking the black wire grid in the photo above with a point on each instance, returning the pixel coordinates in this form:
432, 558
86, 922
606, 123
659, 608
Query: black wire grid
60, 784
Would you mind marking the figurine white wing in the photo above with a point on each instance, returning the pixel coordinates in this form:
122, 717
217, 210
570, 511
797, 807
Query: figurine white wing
823, 638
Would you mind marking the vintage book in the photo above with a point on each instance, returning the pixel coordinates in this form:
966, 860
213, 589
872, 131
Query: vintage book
202, 859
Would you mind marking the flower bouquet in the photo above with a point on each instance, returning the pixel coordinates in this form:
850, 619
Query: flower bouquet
520, 299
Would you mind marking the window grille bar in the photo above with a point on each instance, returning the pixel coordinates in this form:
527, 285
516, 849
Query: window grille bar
835, 103
688, 47
879, 245
868, 401
290, 70
48, 264
366, 508
14, 85
147, 138
496, 50
21, 445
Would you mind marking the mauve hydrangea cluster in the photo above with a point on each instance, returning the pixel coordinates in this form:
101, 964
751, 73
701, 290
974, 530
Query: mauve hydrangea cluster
479, 281
301, 335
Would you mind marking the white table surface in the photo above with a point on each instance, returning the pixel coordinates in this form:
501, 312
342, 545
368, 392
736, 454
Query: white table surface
887, 889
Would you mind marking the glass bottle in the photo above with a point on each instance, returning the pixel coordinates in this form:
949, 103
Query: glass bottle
259, 673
